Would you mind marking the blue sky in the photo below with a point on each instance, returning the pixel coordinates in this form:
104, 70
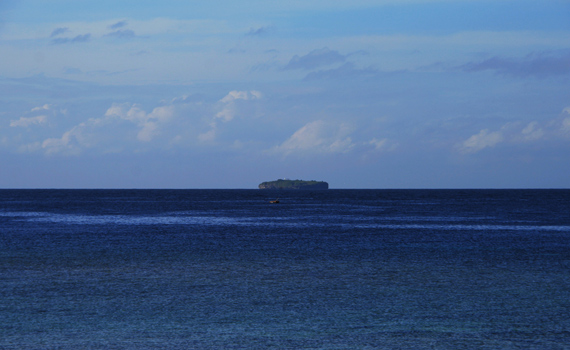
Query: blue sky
225, 94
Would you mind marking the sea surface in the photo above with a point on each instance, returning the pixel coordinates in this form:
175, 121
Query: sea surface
336, 269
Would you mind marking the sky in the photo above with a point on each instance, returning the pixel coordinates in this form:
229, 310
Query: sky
225, 94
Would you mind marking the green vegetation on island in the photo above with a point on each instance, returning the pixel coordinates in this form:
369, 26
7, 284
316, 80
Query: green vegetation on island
294, 185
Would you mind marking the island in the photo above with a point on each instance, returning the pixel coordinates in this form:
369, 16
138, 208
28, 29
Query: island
294, 185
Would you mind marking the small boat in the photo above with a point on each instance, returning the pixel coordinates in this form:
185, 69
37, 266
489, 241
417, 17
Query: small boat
275, 201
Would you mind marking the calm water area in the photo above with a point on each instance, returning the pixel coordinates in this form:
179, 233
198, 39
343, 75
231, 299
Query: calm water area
331, 269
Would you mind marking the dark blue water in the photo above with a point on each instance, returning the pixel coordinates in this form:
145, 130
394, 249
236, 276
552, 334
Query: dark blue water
336, 269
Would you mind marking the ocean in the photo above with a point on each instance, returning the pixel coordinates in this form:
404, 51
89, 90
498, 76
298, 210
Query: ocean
334, 269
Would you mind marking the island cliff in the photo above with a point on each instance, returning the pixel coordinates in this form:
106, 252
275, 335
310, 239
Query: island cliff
294, 185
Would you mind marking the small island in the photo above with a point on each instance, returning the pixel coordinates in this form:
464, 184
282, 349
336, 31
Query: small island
294, 185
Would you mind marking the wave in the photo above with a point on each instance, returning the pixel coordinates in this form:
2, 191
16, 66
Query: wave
343, 222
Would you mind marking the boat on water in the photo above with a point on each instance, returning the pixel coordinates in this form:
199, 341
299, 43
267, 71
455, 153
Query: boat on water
275, 201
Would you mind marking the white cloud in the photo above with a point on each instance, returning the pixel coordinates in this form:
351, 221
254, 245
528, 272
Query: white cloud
44, 107
149, 123
229, 110
518, 132
226, 114
148, 131
378, 144
566, 120
72, 142
25, 122
209, 135
482, 140
566, 124
318, 137
95, 131
532, 132
69, 143
383, 145
241, 95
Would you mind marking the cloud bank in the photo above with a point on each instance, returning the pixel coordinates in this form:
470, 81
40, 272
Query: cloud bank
28, 121
517, 133
77, 39
318, 137
540, 64
315, 59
